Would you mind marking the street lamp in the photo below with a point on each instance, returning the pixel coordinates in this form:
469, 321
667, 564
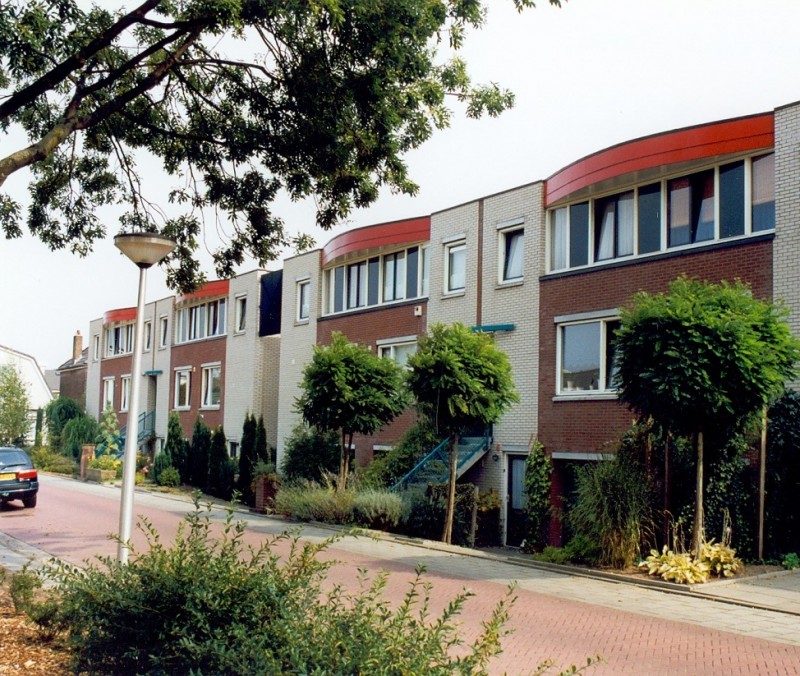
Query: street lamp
145, 249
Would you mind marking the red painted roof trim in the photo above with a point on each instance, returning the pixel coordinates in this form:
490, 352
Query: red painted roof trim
682, 145
126, 314
383, 234
217, 288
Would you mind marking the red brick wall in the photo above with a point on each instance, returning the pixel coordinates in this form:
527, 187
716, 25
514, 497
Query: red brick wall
116, 367
367, 328
195, 354
586, 426
72, 384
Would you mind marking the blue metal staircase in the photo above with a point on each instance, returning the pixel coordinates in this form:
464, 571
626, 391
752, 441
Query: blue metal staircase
434, 468
145, 430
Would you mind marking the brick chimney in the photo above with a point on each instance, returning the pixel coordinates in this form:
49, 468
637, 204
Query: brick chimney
77, 346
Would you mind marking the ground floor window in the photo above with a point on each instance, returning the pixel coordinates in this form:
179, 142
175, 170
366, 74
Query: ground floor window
586, 356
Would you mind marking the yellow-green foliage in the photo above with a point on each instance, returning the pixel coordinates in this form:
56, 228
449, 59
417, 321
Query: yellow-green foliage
721, 558
676, 567
104, 462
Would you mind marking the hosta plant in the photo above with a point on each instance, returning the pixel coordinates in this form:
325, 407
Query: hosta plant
676, 566
721, 558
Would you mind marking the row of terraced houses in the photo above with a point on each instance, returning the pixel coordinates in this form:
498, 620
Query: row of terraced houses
543, 266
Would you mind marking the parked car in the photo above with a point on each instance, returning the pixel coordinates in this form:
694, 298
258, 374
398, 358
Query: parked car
19, 479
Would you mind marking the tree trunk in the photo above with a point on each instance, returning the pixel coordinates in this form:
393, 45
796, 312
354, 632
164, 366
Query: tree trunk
344, 454
667, 444
451, 493
699, 526
762, 480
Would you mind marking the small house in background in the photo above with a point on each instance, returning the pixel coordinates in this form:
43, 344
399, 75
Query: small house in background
72, 373
39, 394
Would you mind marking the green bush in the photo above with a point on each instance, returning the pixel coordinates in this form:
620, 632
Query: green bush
45, 459
426, 513
552, 554
309, 501
58, 413
378, 509
169, 476
82, 429
387, 469
538, 469
162, 463
791, 561
106, 462
310, 453
209, 604
200, 454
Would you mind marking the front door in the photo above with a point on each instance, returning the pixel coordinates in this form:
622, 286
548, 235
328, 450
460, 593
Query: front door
515, 506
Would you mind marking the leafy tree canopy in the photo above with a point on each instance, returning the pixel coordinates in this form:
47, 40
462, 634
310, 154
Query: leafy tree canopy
14, 405
348, 389
460, 378
703, 355
237, 99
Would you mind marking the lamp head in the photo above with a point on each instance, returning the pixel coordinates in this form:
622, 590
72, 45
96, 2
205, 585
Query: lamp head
145, 249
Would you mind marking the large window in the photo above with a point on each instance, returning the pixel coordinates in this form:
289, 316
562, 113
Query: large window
735, 199
119, 340
455, 256
512, 261
201, 321
393, 277
211, 386
182, 388
586, 356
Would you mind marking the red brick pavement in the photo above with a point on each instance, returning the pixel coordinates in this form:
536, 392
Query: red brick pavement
69, 524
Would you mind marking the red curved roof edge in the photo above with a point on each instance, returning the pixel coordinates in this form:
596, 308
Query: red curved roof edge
217, 288
125, 314
381, 234
739, 134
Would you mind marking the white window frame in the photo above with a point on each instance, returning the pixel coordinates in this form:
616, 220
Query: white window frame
450, 248
108, 392
185, 403
95, 347
603, 318
207, 392
506, 230
240, 318
303, 292
148, 335
124, 392
163, 332
388, 347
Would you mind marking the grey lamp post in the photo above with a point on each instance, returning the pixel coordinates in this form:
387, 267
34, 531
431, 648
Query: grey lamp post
145, 249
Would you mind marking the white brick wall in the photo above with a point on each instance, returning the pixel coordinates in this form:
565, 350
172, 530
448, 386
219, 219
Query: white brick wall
297, 339
93, 379
786, 248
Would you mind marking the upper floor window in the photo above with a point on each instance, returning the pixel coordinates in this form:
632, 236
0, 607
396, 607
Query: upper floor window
455, 257
512, 260
365, 283
241, 314
148, 335
303, 300
201, 321
119, 340
96, 347
586, 356
163, 332
729, 200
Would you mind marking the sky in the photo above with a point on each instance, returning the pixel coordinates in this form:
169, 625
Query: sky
587, 76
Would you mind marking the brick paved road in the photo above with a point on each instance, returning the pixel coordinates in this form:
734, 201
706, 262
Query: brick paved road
563, 618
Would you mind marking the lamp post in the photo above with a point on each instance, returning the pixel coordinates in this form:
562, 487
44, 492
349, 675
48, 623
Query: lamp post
145, 249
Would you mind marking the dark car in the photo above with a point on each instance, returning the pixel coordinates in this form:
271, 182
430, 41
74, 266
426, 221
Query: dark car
19, 479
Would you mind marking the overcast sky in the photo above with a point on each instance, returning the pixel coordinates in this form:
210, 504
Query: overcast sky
586, 76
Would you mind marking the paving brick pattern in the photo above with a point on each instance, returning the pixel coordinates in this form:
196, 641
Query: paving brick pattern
559, 617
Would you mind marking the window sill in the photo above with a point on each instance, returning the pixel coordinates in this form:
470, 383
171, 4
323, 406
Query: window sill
240, 333
454, 294
510, 284
210, 407
182, 408
587, 396
302, 322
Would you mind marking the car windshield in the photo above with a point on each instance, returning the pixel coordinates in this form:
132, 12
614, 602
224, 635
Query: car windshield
12, 459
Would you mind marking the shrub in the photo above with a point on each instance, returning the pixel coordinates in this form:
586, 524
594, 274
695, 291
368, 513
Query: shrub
222, 468
309, 501
59, 412
676, 566
106, 462
169, 476
538, 469
209, 604
791, 561
162, 463
45, 459
82, 429
426, 513
310, 453
387, 469
721, 558
552, 554
378, 509
199, 456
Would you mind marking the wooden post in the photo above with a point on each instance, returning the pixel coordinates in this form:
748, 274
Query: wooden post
762, 480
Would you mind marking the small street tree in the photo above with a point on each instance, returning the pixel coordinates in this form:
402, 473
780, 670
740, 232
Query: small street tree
247, 459
349, 390
200, 454
58, 413
460, 379
14, 406
702, 356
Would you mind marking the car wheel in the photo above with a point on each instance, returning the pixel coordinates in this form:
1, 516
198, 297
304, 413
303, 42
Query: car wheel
29, 502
